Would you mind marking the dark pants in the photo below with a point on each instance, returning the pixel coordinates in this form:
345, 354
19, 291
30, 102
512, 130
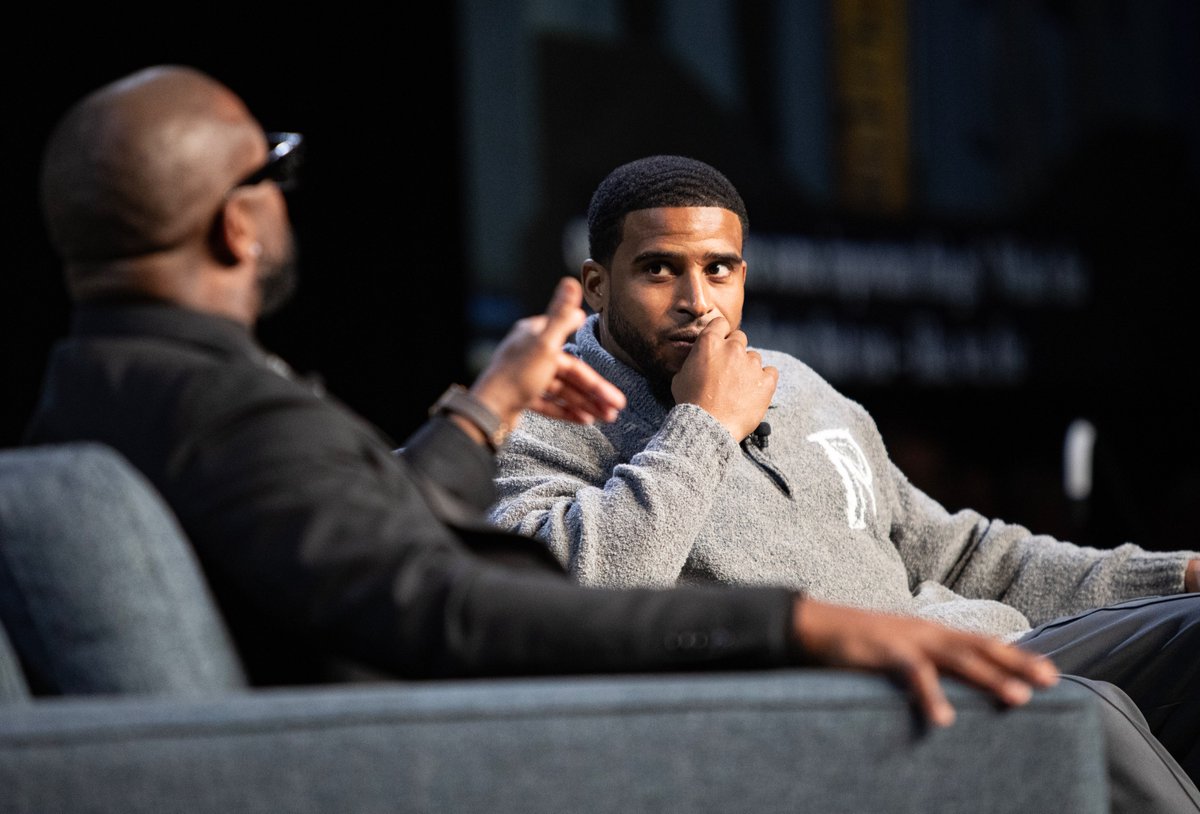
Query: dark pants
1142, 659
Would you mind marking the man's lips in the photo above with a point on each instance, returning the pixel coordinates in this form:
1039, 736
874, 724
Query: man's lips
681, 344
687, 337
688, 334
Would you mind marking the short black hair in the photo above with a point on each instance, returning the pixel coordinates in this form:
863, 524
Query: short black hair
649, 183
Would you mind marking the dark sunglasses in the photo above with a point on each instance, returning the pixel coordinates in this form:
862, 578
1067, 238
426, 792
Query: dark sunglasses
284, 155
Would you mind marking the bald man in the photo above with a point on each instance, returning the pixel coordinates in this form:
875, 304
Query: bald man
162, 195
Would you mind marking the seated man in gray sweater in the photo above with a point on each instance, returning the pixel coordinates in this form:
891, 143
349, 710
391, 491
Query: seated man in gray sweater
740, 466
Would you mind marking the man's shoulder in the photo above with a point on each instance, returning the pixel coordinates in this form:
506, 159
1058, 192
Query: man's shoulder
185, 385
798, 381
781, 360
211, 375
792, 370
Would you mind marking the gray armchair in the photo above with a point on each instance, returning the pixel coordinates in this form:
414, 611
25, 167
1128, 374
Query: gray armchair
120, 692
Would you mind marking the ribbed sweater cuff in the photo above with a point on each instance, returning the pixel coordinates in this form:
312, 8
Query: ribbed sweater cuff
1156, 573
691, 428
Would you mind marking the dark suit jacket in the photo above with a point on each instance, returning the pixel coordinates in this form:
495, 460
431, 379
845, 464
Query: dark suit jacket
320, 542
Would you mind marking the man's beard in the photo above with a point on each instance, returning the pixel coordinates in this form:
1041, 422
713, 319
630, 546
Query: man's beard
645, 356
277, 280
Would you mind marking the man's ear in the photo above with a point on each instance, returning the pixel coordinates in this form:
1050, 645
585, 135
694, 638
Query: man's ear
595, 284
234, 236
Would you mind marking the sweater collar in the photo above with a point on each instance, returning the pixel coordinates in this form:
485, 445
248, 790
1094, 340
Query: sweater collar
641, 400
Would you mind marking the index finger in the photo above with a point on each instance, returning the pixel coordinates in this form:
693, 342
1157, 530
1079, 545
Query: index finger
718, 326
1035, 668
583, 378
564, 313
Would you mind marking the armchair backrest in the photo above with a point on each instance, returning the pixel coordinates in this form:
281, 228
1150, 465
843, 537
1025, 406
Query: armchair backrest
100, 591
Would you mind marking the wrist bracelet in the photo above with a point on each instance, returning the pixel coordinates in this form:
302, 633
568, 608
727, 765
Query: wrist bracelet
460, 401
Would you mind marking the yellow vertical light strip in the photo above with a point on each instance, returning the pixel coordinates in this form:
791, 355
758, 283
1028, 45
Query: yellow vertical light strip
871, 98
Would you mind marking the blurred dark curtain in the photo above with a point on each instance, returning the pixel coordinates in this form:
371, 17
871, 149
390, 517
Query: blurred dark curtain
380, 309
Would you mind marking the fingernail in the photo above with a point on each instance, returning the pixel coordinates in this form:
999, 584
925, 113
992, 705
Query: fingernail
1017, 692
1046, 672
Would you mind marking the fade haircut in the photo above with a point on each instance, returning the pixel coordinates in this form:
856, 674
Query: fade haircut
650, 183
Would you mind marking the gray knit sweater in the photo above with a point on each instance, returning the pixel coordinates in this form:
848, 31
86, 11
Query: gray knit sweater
664, 496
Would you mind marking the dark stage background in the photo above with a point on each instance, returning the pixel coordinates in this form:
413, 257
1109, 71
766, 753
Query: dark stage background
412, 130
379, 311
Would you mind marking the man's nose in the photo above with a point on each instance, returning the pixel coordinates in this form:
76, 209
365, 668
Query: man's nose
693, 294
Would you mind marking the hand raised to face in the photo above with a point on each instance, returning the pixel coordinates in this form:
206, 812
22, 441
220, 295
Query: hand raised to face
725, 379
531, 371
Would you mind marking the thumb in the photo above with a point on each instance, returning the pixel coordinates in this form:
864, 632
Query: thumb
717, 324
564, 313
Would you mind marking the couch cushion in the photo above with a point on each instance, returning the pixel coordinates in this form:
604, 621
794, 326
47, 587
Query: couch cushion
99, 590
12, 681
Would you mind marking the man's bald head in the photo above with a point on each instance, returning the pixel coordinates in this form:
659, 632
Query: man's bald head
141, 166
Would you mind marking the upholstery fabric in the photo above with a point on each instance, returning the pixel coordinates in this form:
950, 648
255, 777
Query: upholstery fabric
781, 741
84, 607
99, 591
12, 681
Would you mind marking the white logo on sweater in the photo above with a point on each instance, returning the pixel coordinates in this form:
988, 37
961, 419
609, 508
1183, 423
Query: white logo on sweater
848, 459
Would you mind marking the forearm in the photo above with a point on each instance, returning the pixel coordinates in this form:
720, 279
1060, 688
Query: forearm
632, 524
1045, 578
512, 622
1038, 575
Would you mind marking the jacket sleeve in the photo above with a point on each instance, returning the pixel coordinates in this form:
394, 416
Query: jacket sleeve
455, 473
610, 521
1040, 576
303, 516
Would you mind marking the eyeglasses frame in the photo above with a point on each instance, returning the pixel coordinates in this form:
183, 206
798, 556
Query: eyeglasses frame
284, 155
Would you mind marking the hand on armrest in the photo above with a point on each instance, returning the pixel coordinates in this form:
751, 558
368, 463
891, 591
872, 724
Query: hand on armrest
917, 651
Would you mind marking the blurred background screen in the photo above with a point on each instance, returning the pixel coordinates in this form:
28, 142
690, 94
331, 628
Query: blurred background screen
975, 218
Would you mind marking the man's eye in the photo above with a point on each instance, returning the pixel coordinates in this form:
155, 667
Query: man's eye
658, 270
720, 270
